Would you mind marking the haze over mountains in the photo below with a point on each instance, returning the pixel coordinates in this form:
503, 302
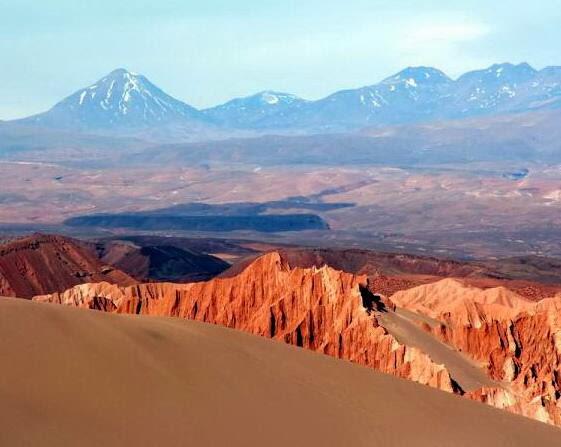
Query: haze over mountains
419, 159
124, 100
418, 116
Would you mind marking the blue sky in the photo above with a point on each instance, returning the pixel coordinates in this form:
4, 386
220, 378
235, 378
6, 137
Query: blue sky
205, 52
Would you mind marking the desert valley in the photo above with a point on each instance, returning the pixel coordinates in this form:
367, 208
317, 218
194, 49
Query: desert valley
475, 182
483, 331
374, 261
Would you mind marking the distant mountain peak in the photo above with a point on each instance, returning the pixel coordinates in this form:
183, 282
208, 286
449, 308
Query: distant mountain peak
120, 99
414, 76
271, 97
250, 110
116, 91
507, 67
501, 72
121, 72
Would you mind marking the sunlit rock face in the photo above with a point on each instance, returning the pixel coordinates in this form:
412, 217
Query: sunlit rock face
319, 309
517, 341
509, 341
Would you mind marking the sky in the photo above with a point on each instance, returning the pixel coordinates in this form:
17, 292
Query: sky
208, 51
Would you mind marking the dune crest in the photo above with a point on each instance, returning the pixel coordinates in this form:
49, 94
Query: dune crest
117, 380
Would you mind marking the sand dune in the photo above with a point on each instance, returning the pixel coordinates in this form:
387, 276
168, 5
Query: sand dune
468, 375
78, 377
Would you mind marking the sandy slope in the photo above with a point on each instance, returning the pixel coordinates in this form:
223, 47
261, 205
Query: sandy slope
76, 377
465, 371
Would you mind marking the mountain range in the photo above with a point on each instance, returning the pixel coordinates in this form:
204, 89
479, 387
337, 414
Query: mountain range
123, 101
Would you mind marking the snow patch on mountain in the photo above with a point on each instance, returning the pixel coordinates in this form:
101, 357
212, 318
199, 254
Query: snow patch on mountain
120, 99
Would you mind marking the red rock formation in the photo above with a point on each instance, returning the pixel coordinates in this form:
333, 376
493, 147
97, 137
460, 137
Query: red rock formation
517, 342
319, 309
375, 262
534, 278
42, 264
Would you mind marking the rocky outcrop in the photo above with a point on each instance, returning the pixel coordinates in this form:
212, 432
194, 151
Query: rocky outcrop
319, 309
513, 343
534, 278
159, 262
518, 342
375, 262
41, 264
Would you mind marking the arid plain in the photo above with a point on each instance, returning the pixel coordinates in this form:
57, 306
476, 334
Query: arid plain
476, 210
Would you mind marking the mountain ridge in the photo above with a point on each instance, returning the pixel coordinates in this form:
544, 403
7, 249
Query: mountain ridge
45, 263
123, 100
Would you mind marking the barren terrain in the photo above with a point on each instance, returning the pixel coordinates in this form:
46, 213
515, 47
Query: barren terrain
472, 211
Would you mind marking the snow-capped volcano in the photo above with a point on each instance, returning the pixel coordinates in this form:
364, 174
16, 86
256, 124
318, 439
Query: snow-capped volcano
252, 110
417, 76
120, 99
